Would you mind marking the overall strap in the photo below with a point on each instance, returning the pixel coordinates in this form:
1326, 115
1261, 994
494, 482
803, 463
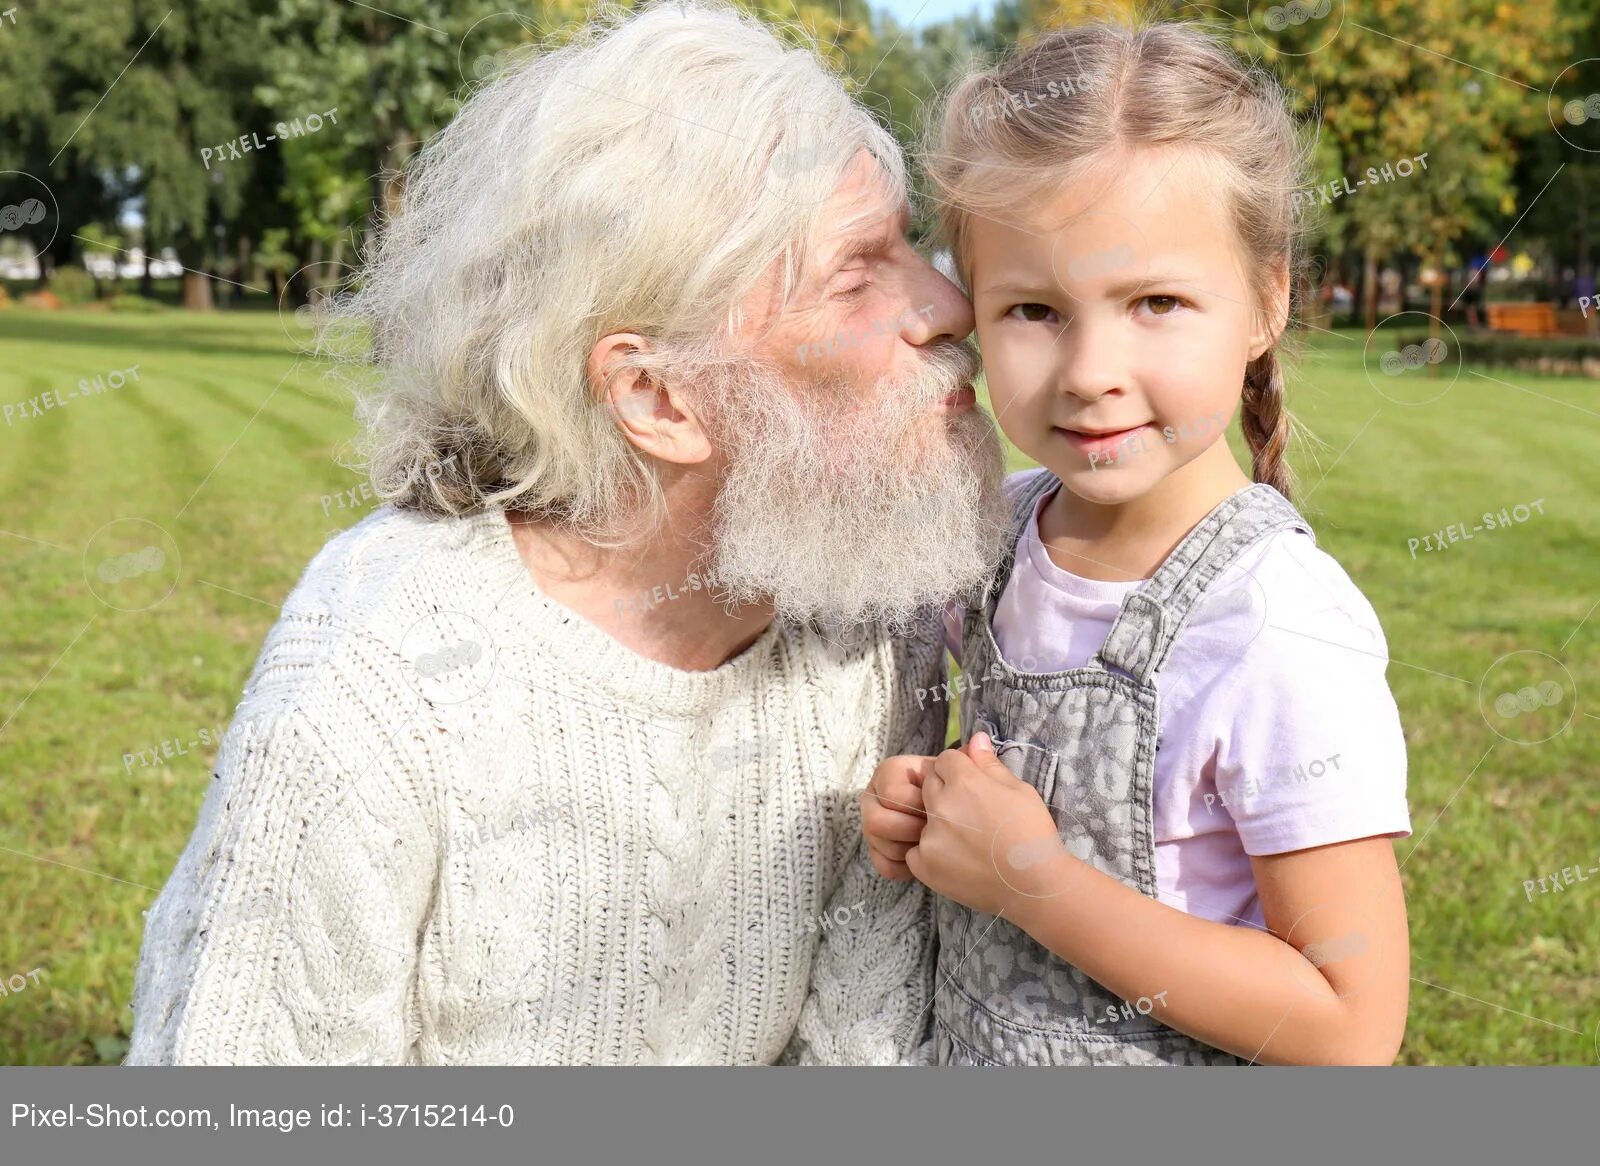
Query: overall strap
1040, 484
1151, 617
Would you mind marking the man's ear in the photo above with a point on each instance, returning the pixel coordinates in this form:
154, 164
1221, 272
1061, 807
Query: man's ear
1271, 322
653, 416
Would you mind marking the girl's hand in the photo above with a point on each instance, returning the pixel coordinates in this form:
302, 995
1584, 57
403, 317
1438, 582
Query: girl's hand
892, 815
989, 839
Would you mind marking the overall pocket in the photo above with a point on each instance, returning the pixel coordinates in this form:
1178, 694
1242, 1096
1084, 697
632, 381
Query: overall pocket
1031, 762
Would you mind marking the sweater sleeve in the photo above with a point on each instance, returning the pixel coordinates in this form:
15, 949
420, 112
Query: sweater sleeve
871, 995
287, 933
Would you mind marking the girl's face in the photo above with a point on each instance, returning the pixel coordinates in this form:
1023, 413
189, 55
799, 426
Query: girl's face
1116, 322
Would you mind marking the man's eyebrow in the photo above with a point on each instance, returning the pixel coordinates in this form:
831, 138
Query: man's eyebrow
858, 247
867, 243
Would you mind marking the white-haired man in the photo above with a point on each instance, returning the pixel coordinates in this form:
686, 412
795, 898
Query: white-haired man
555, 759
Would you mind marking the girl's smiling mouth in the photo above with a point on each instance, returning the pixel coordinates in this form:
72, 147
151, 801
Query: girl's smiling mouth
1102, 441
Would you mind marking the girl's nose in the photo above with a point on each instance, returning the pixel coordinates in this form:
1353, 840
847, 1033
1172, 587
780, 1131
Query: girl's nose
1092, 365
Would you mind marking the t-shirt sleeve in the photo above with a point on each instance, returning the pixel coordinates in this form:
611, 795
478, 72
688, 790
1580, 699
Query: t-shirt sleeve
1313, 752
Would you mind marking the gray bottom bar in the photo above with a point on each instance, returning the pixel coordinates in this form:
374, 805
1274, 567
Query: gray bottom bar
809, 1116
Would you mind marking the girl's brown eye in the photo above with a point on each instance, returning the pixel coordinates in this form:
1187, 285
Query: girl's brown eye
1033, 313
1161, 305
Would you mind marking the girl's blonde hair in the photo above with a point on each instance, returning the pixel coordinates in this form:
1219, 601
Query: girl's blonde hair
1014, 134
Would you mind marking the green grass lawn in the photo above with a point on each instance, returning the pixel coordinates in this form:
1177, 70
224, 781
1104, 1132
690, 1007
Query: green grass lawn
227, 446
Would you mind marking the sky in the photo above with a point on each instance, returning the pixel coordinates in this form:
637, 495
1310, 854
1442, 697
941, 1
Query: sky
916, 13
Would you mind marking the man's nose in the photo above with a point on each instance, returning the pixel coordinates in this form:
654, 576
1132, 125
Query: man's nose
939, 313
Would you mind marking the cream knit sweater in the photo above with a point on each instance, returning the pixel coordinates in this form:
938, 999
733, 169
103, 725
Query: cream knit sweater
455, 823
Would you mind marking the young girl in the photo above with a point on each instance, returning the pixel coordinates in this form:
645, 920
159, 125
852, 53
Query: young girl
1180, 851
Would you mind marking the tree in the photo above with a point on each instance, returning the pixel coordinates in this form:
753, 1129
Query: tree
186, 74
50, 59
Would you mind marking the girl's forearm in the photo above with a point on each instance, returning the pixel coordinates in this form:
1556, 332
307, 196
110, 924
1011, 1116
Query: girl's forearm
1235, 987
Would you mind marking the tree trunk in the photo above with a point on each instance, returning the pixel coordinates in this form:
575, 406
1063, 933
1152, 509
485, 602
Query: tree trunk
245, 269
388, 181
58, 254
1585, 268
1437, 303
1369, 286
196, 284
306, 278
196, 292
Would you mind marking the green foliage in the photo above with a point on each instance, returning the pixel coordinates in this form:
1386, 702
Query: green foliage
139, 305
1461, 82
72, 285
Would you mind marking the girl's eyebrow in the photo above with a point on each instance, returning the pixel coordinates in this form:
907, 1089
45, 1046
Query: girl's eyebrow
1117, 291
1018, 289
1149, 279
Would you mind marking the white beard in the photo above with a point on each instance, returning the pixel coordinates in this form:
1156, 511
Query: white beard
844, 508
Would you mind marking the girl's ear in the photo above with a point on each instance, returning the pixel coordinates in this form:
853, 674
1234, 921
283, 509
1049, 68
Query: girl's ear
1271, 321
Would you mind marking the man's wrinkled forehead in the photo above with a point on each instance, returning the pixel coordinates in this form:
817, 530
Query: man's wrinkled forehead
873, 234
865, 214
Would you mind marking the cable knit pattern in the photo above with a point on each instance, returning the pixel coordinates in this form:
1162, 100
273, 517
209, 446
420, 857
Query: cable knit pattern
455, 823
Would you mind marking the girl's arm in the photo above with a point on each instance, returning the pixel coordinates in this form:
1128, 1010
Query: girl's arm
1327, 984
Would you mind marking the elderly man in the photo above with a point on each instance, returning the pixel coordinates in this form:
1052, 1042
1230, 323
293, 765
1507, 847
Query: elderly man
555, 758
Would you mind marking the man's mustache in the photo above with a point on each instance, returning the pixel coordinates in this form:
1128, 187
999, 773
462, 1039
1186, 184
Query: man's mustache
943, 368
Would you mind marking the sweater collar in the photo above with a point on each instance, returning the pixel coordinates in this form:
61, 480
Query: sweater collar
574, 652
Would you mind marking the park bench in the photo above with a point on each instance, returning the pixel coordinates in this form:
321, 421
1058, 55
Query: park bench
1524, 319
1577, 322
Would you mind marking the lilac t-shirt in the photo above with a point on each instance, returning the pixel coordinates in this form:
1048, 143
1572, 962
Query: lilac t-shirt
1278, 730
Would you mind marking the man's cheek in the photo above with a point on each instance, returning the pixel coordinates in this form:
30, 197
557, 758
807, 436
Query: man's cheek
868, 362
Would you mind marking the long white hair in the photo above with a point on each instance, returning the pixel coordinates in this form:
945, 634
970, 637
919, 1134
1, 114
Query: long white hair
642, 177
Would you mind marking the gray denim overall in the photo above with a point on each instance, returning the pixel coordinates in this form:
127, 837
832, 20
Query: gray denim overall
1086, 739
